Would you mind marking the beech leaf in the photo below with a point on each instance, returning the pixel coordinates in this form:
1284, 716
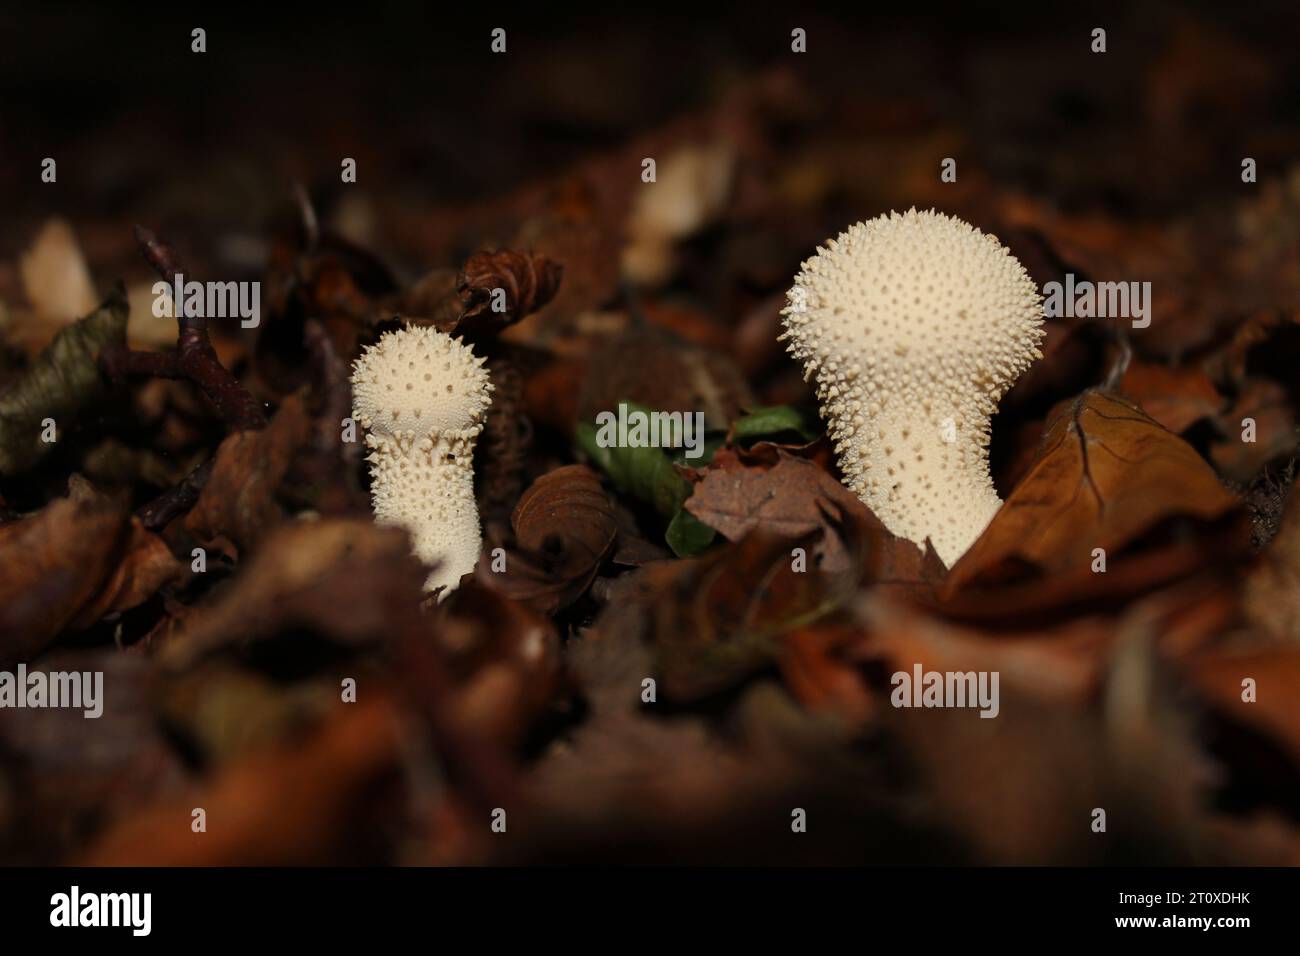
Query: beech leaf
63, 382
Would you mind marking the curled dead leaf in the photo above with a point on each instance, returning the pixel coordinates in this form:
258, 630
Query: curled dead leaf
68, 565
564, 528
528, 282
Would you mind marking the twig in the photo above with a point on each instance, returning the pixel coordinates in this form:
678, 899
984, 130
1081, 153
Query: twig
177, 500
193, 359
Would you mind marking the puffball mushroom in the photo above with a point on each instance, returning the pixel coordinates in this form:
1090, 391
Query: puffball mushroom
914, 326
422, 396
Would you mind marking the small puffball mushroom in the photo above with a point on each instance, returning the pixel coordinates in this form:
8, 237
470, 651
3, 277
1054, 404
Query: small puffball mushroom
914, 326
422, 396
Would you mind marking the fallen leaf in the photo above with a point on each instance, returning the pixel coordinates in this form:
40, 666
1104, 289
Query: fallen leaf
668, 375
1174, 397
61, 384
341, 580
238, 504
564, 528
1106, 474
528, 282
769, 490
779, 421
1219, 674
714, 620
68, 565
504, 658
651, 477
331, 779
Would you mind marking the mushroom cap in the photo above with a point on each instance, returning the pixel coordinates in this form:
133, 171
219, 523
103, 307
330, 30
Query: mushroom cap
418, 382
916, 291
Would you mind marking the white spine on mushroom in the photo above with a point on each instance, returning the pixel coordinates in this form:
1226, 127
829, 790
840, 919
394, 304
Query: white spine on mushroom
422, 395
914, 326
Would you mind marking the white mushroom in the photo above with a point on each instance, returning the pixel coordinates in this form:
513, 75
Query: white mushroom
422, 395
914, 326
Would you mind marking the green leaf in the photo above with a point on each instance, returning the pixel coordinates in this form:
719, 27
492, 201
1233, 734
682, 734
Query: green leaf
777, 421
649, 475
688, 535
645, 473
63, 382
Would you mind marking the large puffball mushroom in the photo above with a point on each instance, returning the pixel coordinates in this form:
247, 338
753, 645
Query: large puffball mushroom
422, 396
914, 326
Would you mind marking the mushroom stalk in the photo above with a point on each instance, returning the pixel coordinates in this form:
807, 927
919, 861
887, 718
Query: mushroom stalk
421, 395
913, 327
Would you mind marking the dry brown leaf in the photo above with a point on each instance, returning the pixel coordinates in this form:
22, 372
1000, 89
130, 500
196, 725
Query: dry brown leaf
714, 620
528, 281
71, 563
238, 504
1266, 408
667, 375
330, 780
505, 661
144, 564
1106, 475
1218, 674
1175, 397
346, 579
814, 668
769, 490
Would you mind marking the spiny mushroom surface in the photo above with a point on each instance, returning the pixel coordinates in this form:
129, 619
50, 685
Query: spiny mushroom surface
422, 396
914, 326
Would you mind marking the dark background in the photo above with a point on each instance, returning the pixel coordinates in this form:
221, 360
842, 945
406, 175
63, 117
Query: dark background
143, 128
